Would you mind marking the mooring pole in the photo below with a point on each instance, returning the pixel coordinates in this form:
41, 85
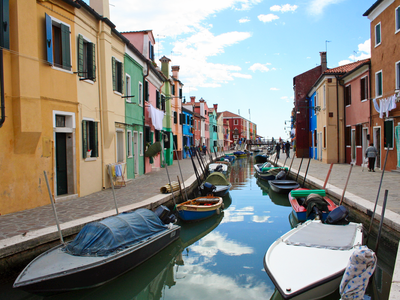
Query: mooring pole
327, 176
381, 223
301, 162
304, 180
345, 186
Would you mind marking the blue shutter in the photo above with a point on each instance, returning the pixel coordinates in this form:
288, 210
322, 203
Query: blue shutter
49, 42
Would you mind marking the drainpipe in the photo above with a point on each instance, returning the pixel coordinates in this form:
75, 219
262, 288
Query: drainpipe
144, 112
101, 107
337, 112
3, 108
344, 118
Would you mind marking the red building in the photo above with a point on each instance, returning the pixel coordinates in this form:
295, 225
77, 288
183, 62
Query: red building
237, 129
301, 85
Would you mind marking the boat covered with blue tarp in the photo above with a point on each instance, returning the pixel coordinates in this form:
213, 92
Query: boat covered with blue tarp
100, 252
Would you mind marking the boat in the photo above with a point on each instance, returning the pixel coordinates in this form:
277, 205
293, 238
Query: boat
229, 157
283, 186
219, 185
221, 167
261, 158
199, 208
267, 172
102, 251
240, 154
317, 203
308, 262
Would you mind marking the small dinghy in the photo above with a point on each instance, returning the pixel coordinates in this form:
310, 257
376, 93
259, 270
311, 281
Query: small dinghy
267, 172
308, 262
221, 167
307, 204
100, 252
199, 208
283, 186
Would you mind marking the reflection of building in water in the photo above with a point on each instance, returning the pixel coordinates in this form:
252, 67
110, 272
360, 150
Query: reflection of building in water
240, 171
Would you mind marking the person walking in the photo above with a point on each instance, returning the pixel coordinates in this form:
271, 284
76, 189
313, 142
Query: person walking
278, 149
371, 153
287, 148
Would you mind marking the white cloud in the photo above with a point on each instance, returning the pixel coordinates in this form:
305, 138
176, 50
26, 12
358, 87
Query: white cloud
244, 20
284, 8
239, 75
316, 7
364, 52
274, 89
268, 18
260, 67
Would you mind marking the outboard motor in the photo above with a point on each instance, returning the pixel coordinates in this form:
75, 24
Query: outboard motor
338, 216
281, 175
207, 189
165, 214
315, 204
218, 168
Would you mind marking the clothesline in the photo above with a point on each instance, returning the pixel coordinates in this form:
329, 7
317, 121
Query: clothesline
385, 105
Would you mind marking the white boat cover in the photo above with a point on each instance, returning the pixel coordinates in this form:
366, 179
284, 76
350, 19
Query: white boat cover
319, 235
360, 268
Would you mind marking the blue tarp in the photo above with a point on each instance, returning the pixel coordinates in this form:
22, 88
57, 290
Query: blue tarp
115, 233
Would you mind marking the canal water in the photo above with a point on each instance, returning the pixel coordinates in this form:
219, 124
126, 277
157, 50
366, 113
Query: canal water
218, 258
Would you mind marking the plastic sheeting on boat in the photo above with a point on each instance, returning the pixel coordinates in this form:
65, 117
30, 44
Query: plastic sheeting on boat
217, 178
336, 237
115, 233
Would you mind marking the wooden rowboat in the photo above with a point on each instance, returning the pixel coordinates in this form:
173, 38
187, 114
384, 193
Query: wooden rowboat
199, 208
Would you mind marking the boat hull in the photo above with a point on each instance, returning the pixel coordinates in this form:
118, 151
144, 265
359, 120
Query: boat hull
322, 273
199, 208
96, 270
283, 186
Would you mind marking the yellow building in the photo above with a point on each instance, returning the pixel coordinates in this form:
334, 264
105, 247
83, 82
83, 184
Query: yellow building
39, 132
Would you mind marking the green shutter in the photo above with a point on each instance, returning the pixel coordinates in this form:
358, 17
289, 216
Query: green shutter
388, 130
95, 150
113, 74
91, 62
122, 78
80, 57
84, 139
65, 47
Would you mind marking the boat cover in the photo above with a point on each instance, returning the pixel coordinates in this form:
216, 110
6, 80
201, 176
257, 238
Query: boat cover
115, 233
319, 235
217, 178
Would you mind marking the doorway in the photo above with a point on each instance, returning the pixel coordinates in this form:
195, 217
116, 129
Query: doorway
364, 144
353, 146
61, 164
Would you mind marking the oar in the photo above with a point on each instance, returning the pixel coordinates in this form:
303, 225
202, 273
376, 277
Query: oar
377, 196
345, 186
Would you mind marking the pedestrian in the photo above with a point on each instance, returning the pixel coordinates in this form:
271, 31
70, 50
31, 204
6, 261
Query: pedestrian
204, 149
287, 146
371, 153
278, 149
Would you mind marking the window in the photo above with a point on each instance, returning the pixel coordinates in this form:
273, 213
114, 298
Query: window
175, 117
378, 84
324, 99
347, 95
398, 75
173, 90
397, 19
364, 88
325, 137
358, 135
347, 136
120, 145
141, 143
316, 100
146, 91
158, 98
388, 131
86, 59
90, 138
129, 146
378, 38
128, 88
58, 43
5, 20
117, 75
163, 102
235, 122
140, 96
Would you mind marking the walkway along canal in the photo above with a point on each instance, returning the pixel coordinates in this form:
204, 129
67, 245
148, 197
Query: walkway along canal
230, 255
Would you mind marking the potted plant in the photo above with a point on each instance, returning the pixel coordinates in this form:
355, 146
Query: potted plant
89, 153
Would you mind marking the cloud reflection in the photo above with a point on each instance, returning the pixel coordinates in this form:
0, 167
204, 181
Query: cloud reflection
261, 219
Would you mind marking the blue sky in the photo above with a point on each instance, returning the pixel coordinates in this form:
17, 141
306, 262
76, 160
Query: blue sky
243, 54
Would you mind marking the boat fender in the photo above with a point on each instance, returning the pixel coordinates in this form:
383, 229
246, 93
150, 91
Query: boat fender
338, 216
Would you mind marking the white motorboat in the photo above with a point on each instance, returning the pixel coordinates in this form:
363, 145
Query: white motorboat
308, 262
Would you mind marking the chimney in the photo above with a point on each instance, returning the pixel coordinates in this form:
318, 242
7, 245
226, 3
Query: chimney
175, 72
215, 107
323, 61
192, 99
165, 65
102, 7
